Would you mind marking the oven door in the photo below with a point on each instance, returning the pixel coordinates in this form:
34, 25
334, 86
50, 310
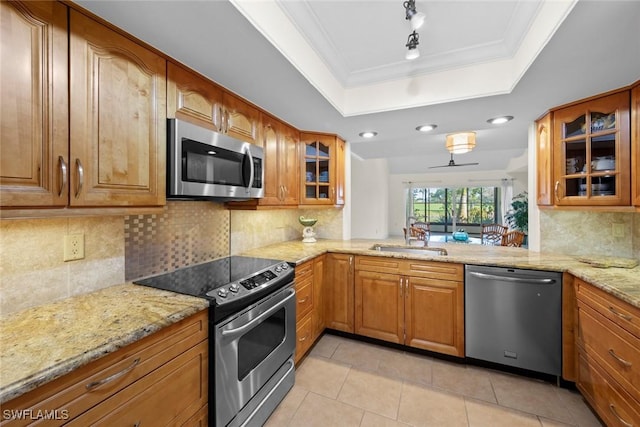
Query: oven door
250, 348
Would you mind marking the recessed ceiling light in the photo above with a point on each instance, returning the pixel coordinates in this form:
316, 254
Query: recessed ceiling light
426, 128
500, 120
368, 134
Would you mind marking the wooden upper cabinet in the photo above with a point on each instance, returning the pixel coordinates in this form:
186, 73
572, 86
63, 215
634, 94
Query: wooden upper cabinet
322, 169
200, 101
544, 170
240, 119
34, 132
591, 154
635, 145
118, 118
193, 98
289, 165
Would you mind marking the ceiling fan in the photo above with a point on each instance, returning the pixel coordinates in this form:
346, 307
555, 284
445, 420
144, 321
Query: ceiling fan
452, 163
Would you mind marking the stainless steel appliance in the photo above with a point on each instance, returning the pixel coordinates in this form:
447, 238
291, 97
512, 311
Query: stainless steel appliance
251, 333
203, 164
514, 317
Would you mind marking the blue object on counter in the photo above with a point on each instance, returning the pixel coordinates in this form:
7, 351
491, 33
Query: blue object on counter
460, 235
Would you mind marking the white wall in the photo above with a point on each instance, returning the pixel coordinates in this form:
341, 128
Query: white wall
369, 198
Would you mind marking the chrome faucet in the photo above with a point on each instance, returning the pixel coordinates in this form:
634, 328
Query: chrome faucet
407, 235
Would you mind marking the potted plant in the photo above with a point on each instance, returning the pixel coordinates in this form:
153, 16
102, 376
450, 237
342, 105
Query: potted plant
518, 216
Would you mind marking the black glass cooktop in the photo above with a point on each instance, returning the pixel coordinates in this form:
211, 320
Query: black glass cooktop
199, 279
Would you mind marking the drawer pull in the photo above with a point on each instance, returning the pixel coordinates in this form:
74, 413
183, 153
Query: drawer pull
620, 315
304, 338
113, 377
615, 413
303, 300
619, 359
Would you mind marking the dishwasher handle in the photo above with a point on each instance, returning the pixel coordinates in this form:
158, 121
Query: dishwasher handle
486, 276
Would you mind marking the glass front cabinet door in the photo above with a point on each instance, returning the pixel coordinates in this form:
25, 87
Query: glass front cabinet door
318, 169
592, 152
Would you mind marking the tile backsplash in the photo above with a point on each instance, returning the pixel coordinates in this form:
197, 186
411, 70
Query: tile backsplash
185, 233
588, 233
32, 269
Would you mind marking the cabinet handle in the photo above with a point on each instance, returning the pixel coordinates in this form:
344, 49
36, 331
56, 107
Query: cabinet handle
113, 377
63, 172
303, 300
555, 191
221, 119
304, 338
619, 359
80, 177
615, 413
621, 315
407, 288
137, 424
401, 286
285, 192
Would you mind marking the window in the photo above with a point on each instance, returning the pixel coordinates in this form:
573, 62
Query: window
471, 205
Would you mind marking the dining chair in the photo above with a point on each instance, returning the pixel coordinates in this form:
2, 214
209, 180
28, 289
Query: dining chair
492, 233
418, 233
513, 238
424, 226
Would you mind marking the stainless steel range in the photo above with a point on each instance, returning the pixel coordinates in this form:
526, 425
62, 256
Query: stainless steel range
251, 333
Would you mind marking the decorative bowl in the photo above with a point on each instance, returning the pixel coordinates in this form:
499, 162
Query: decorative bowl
460, 235
307, 222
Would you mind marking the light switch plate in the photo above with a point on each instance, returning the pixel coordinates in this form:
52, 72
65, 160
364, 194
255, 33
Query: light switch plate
73, 247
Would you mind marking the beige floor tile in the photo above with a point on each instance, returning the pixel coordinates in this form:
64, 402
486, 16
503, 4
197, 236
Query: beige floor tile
355, 353
423, 406
319, 411
483, 414
529, 395
374, 420
371, 392
406, 366
578, 408
462, 379
287, 408
321, 376
553, 423
326, 346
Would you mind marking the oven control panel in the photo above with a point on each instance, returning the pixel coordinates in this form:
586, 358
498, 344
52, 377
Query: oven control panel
248, 285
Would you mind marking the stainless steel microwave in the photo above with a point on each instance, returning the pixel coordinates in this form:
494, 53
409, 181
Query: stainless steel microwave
203, 164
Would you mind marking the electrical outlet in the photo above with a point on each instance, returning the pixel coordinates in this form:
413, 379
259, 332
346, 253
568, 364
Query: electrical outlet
617, 230
73, 247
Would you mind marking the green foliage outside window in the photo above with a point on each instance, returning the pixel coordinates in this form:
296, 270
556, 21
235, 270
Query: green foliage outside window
472, 205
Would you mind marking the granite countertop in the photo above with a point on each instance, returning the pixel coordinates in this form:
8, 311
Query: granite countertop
46, 342
624, 283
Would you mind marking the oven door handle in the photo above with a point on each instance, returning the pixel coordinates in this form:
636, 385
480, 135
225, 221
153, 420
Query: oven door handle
242, 329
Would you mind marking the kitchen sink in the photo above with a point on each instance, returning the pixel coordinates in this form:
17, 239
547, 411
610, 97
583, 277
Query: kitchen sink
410, 250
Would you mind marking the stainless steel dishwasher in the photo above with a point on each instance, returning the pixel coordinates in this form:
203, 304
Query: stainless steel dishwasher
514, 317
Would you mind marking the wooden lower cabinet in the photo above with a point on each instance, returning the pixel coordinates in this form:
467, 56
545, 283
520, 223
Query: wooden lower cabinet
608, 342
425, 311
339, 292
309, 304
160, 380
379, 311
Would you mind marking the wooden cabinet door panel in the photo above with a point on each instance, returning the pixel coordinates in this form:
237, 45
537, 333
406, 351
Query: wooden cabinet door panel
118, 118
289, 169
544, 151
193, 98
635, 146
379, 311
318, 315
34, 132
241, 119
272, 187
339, 292
168, 396
435, 315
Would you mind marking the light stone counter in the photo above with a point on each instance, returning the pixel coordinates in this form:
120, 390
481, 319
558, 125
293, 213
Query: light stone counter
624, 283
46, 342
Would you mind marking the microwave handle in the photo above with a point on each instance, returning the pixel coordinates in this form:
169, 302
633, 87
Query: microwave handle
251, 168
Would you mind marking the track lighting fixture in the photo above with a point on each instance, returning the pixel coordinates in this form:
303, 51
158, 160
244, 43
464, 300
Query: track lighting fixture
412, 45
416, 18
